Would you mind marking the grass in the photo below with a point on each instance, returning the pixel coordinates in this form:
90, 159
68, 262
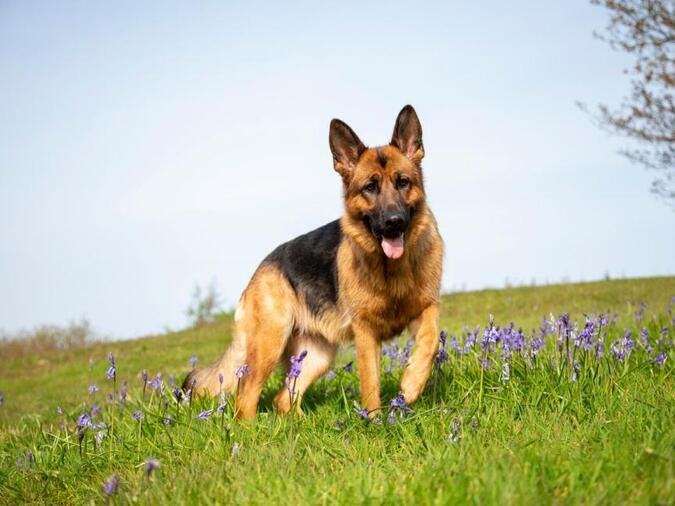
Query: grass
538, 438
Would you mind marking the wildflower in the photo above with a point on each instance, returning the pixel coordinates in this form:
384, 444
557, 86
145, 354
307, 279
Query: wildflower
506, 372
178, 394
242, 371
454, 430
156, 382
111, 485
93, 389
138, 415
29, 458
536, 345
363, 413
193, 361
83, 421
330, 375
405, 354
144, 376
221, 409
640, 313
151, 465
235, 450
112, 370
167, 419
95, 410
348, 367
124, 391
99, 437
398, 402
661, 359
442, 355
296, 365
398, 407
204, 415
221, 378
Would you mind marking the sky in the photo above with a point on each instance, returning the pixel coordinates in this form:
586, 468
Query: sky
149, 147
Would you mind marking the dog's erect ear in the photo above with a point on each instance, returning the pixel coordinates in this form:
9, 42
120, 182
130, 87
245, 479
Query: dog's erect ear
345, 146
407, 136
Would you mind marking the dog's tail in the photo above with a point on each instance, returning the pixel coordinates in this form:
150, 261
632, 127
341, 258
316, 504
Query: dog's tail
219, 377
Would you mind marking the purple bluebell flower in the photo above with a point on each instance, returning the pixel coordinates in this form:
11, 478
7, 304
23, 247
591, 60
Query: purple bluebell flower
398, 401
144, 376
112, 370
640, 313
348, 367
95, 410
124, 391
405, 353
221, 408
485, 362
221, 379
363, 413
193, 361
442, 354
111, 485
660, 360
296, 365
242, 371
93, 388
204, 415
83, 421
138, 415
151, 465
536, 345
156, 382
29, 457
398, 407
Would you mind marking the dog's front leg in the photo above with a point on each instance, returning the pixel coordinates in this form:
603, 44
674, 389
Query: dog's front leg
368, 355
425, 329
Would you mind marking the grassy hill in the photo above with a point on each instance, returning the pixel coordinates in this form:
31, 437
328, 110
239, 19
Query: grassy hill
582, 429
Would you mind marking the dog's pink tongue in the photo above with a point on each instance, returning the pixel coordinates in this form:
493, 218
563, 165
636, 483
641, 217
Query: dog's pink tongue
393, 248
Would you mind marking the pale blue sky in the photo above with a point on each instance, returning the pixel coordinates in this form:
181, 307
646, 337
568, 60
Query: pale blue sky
146, 147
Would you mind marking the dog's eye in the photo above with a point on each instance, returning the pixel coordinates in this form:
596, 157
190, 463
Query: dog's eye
402, 183
370, 187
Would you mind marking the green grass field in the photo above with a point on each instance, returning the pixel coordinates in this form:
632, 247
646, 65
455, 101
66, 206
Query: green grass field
558, 427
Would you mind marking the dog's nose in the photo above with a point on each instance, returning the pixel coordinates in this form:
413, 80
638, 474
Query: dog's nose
394, 222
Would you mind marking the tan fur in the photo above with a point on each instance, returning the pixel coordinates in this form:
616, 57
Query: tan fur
377, 299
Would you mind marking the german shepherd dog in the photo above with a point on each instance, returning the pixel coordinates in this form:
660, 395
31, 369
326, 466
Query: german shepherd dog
365, 277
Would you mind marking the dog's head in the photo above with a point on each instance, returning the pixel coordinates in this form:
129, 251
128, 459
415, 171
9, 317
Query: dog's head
383, 186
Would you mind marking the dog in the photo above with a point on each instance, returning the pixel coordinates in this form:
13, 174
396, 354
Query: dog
364, 277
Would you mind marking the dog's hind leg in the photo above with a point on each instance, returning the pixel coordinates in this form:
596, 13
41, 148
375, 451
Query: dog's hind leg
320, 355
268, 323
